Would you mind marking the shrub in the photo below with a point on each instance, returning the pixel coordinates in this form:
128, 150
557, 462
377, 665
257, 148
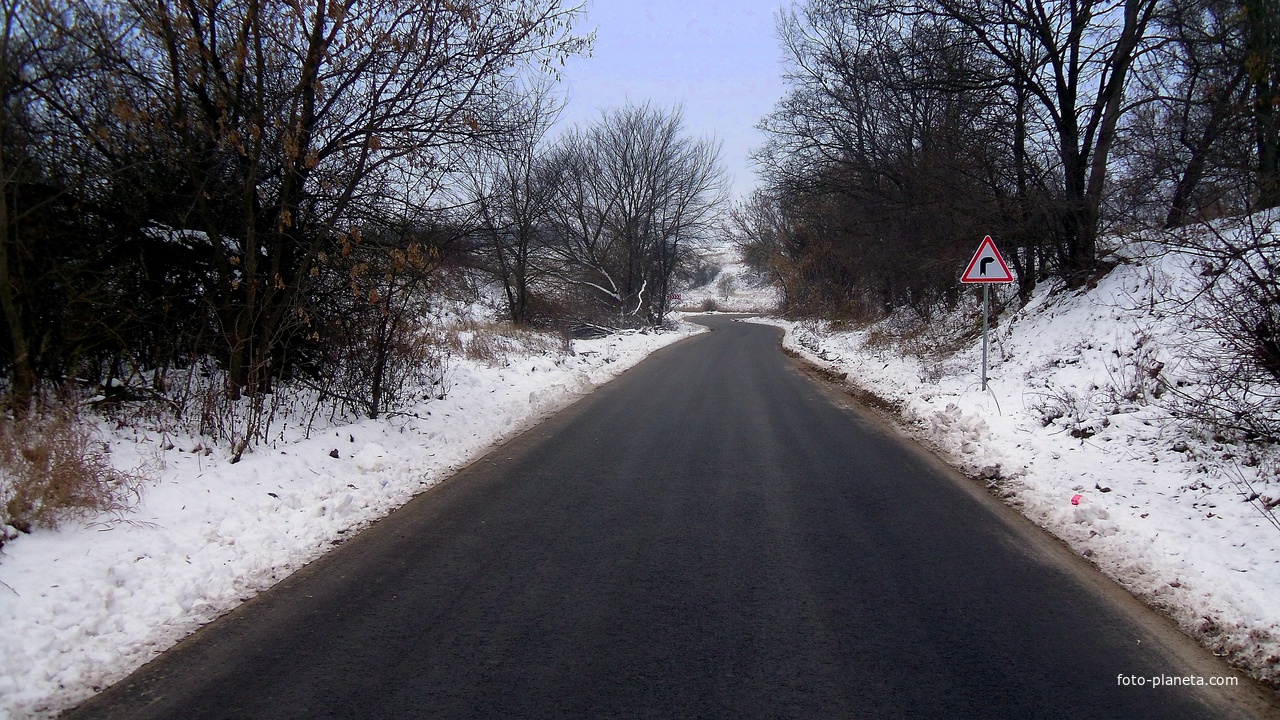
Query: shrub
496, 343
1235, 349
727, 286
52, 469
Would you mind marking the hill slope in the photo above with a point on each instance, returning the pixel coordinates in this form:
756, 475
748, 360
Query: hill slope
1084, 430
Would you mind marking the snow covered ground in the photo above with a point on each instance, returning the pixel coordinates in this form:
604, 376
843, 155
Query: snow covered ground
1070, 433
1076, 434
82, 606
734, 289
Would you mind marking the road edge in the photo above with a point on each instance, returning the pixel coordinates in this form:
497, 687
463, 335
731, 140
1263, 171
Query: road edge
1262, 701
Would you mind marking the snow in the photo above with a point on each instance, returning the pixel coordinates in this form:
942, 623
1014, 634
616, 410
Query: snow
85, 605
1073, 411
735, 289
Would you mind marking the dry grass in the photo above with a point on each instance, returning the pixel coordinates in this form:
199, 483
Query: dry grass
938, 335
496, 343
52, 469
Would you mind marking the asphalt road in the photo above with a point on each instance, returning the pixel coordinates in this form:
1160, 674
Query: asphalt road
712, 535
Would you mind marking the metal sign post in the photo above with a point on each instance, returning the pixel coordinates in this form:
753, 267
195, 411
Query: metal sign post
986, 303
986, 267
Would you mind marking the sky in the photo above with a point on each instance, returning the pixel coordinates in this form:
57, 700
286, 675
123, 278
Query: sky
720, 60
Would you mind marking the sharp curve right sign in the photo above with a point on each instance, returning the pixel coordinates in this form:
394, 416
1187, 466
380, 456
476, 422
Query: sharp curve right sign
987, 266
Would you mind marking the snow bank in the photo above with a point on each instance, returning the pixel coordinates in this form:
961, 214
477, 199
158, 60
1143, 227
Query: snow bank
83, 606
1075, 434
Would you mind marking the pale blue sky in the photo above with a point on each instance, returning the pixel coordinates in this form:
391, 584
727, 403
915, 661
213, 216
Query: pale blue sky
720, 59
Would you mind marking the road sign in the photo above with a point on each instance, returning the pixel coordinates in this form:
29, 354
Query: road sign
987, 266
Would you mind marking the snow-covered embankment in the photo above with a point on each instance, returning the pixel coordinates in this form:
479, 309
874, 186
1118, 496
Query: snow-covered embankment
1075, 435
84, 605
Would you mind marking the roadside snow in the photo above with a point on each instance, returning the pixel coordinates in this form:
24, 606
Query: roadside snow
1073, 413
83, 606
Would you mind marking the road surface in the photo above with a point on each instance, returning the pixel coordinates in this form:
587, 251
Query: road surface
712, 535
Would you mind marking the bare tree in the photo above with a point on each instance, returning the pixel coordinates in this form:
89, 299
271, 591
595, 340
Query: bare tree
378, 287
178, 170
761, 230
1074, 59
891, 148
1235, 345
15, 47
295, 122
913, 128
1208, 109
634, 194
1191, 152
1261, 21
511, 190
61, 226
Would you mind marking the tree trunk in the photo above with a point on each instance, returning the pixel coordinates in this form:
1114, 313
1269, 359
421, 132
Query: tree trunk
1076, 248
382, 349
1222, 108
1026, 259
1262, 61
22, 382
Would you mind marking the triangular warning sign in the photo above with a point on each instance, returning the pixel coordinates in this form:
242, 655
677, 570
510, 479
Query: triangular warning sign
987, 266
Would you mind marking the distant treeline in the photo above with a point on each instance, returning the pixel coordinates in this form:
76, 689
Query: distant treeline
274, 186
912, 129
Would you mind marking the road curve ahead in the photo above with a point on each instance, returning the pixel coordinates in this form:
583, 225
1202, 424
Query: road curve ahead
712, 535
